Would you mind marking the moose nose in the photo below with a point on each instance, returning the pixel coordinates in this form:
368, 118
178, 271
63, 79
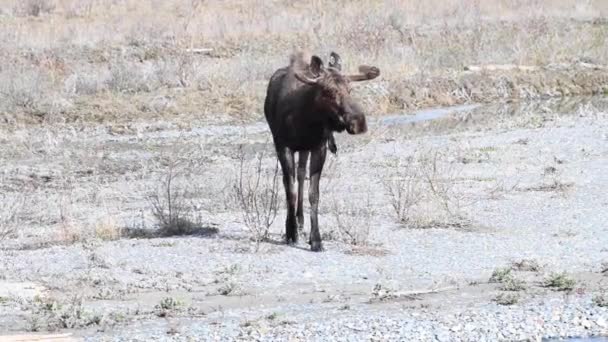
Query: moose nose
357, 126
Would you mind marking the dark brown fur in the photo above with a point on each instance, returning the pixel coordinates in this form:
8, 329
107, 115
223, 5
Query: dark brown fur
306, 103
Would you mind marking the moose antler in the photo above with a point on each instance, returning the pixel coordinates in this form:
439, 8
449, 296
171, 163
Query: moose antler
306, 79
366, 73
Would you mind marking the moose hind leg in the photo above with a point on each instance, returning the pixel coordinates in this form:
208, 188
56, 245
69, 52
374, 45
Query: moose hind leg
302, 162
317, 160
286, 158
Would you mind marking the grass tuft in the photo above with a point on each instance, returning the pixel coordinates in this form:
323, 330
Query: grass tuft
560, 282
507, 298
500, 275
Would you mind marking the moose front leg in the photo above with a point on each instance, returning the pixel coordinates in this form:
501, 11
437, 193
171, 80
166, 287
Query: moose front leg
302, 161
331, 144
286, 158
317, 160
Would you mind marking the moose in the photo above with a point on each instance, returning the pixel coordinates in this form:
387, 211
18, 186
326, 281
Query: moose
305, 103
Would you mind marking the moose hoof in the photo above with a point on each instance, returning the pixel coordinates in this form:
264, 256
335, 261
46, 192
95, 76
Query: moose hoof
316, 246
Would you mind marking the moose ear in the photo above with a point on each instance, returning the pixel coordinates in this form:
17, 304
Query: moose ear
335, 61
316, 65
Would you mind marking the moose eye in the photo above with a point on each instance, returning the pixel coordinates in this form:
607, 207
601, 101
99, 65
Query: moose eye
329, 94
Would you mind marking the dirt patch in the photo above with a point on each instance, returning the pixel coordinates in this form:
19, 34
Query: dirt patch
40, 337
24, 290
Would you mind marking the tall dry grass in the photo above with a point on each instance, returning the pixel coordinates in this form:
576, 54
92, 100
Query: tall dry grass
81, 57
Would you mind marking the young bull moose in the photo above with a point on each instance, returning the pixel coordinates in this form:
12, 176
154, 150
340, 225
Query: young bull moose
306, 103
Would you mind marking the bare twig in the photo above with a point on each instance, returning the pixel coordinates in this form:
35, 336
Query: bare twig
256, 192
404, 189
353, 220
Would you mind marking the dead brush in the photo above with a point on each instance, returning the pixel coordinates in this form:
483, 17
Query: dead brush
170, 205
424, 183
256, 194
441, 179
353, 219
10, 209
405, 189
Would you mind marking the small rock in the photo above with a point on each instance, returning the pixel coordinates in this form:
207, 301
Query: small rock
442, 337
586, 323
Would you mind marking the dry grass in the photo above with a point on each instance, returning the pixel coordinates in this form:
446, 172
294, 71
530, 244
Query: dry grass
70, 230
34, 8
107, 229
72, 56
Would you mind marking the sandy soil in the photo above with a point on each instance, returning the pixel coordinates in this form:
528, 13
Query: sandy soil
526, 182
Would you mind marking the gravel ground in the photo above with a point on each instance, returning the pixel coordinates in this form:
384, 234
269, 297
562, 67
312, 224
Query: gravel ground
525, 184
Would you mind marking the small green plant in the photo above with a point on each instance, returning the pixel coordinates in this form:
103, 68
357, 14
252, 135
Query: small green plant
272, 316
381, 293
226, 277
504, 275
168, 306
231, 270
500, 275
560, 282
33, 323
228, 288
61, 316
601, 299
604, 269
506, 298
513, 284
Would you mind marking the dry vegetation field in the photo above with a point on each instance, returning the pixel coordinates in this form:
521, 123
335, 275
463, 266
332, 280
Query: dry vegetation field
119, 61
140, 196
